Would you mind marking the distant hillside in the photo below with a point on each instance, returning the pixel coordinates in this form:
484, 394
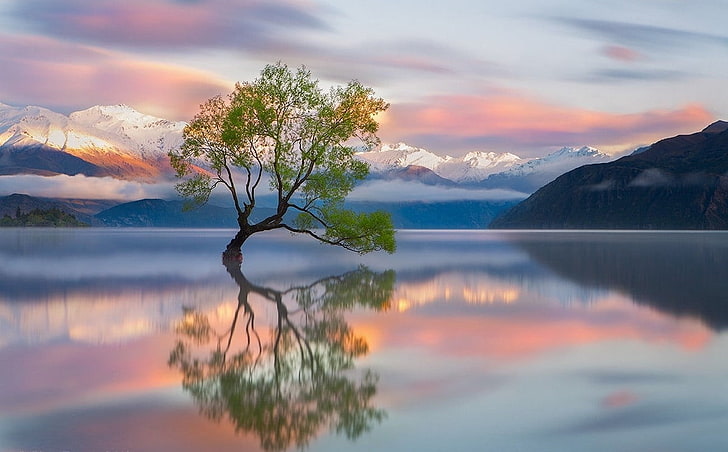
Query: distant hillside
53, 217
160, 213
411, 215
82, 210
677, 183
439, 215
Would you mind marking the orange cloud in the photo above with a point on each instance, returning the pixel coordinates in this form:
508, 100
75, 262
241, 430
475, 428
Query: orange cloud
68, 76
505, 118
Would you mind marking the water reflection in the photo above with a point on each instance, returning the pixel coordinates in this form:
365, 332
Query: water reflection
681, 274
287, 383
492, 341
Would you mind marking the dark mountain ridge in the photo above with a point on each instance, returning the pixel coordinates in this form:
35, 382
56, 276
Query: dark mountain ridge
44, 160
677, 183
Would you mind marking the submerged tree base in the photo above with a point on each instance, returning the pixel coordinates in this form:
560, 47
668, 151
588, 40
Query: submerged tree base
233, 251
232, 257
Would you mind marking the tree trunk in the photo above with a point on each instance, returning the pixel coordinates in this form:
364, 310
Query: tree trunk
233, 251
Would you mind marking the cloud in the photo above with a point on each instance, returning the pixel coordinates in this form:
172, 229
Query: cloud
642, 36
69, 77
514, 122
620, 53
164, 23
604, 185
652, 177
649, 75
620, 399
401, 191
80, 186
296, 32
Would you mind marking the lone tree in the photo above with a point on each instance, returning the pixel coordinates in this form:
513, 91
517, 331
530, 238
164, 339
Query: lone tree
283, 131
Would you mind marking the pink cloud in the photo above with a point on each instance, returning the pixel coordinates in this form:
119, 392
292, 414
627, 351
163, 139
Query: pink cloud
620, 399
514, 120
620, 53
68, 76
164, 23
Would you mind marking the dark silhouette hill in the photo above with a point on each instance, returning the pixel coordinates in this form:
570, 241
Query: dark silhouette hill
677, 183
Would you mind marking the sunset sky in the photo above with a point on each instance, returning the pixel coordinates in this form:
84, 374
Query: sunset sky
525, 77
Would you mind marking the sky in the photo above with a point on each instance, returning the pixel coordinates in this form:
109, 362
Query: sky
526, 77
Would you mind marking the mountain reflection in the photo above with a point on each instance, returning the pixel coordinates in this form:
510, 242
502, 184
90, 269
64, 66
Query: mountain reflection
288, 382
683, 274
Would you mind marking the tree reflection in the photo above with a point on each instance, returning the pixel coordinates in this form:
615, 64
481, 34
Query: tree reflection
287, 383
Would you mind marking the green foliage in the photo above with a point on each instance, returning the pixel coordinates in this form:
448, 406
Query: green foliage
284, 129
361, 232
53, 217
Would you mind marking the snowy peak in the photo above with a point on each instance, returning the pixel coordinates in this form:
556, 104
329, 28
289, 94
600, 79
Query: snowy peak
32, 125
485, 159
116, 140
473, 166
147, 135
569, 152
120, 117
400, 155
111, 129
556, 163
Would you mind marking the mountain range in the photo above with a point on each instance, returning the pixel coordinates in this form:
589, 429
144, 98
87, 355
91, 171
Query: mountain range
120, 142
676, 183
477, 169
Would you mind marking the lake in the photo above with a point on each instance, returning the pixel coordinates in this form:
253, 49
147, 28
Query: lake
142, 340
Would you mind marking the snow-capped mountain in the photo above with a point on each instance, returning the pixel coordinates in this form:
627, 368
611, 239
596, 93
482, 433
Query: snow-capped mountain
474, 166
113, 141
533, 174
400, 155
560, 161
490, 169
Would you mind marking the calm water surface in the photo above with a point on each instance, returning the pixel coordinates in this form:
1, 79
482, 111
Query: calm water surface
141, 340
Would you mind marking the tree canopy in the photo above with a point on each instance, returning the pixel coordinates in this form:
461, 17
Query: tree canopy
283, 132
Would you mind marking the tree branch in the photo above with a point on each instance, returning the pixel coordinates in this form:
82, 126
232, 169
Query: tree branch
340, 242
